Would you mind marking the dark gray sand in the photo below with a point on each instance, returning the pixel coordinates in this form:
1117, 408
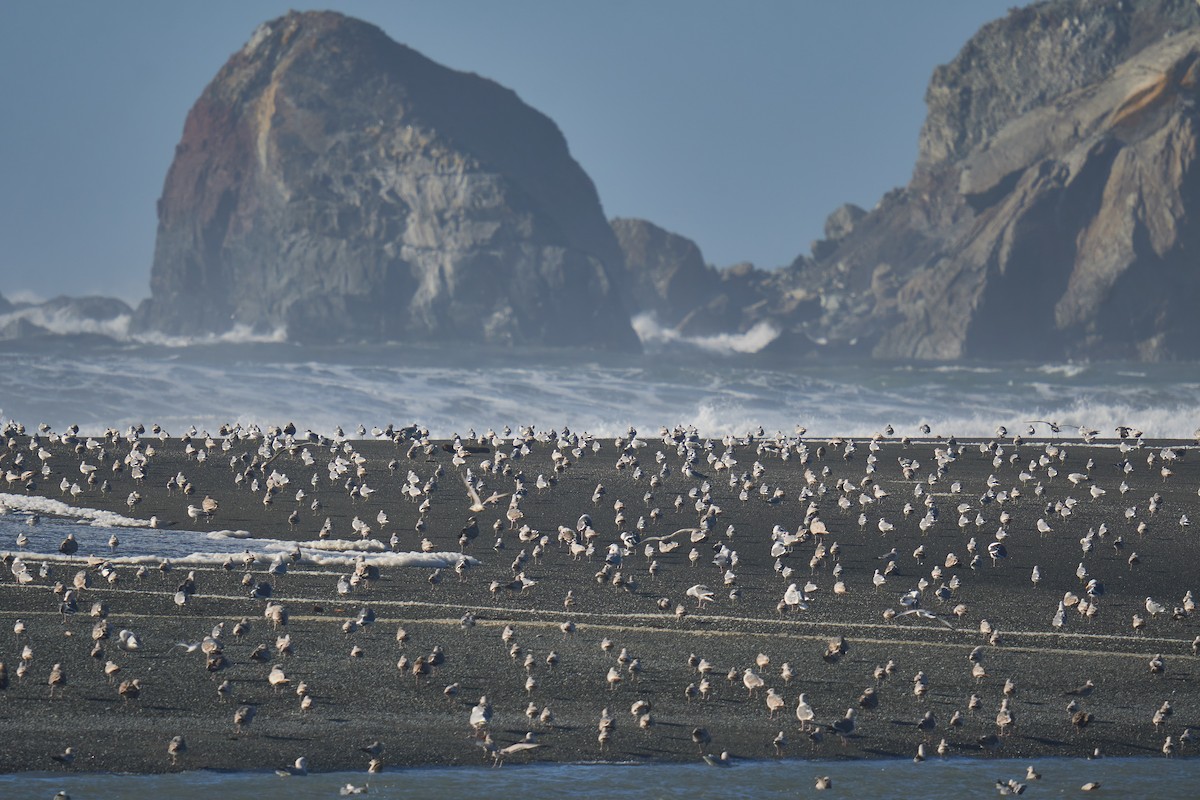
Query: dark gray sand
361, 699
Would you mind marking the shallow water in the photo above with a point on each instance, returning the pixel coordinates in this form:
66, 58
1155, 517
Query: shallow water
950, 779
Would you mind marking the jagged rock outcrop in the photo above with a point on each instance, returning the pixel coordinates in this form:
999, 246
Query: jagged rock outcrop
91, 308
838, 225
1052, 209
669, 279
341, 185
13, 328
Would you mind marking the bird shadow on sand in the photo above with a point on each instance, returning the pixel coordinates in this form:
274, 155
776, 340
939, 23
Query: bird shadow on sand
1046, 740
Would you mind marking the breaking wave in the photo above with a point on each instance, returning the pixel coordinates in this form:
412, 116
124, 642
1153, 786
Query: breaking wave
238, 334
654, 335
452, 390
68, 322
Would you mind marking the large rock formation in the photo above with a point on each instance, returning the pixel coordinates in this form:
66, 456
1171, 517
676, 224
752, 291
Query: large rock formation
343, 186
1052, 209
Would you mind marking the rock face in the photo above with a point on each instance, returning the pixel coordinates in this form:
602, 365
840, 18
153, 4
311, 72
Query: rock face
666, 272
669, 279
1051, 212
15, 328
341, 185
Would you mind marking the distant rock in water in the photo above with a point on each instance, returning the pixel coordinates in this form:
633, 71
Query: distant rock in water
670, 283
13, 327
1053, 209
667, 273
66, 316
342, 186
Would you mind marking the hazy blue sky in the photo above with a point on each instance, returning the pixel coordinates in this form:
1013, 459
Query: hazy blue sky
740, 125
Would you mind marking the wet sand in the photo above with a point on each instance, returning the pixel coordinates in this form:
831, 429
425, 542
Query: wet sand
357, 700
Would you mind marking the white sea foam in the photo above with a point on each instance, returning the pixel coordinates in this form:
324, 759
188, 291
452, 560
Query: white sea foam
333, 545
24, 296
238, 334
381, 560
46, 505
452, 391
759, 336
227, 535
66, 321
213, 559
1065, 370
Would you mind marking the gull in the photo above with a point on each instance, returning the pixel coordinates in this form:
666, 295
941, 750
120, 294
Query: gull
752, 681
844, 727
702, 593
277, 678
299, 767
481, 714
518, 747
774, 702
130, 690
1154, 608
804, 712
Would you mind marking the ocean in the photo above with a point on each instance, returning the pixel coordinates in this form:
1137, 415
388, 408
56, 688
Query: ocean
713, 387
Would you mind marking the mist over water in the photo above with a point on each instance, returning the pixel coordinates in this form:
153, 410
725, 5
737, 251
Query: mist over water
453, 389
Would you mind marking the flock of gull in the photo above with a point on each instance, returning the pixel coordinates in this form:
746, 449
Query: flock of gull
722, 590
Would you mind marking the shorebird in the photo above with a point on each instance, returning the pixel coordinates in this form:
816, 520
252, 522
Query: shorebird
242, 718
57, 679
844, 727
176, 748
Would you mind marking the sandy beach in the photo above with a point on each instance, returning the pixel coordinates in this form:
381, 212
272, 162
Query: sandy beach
363, 698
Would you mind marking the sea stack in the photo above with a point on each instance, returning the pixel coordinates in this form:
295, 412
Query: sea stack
339, 186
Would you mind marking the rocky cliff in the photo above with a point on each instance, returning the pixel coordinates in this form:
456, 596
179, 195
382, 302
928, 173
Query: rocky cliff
342, 186
1052, 209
